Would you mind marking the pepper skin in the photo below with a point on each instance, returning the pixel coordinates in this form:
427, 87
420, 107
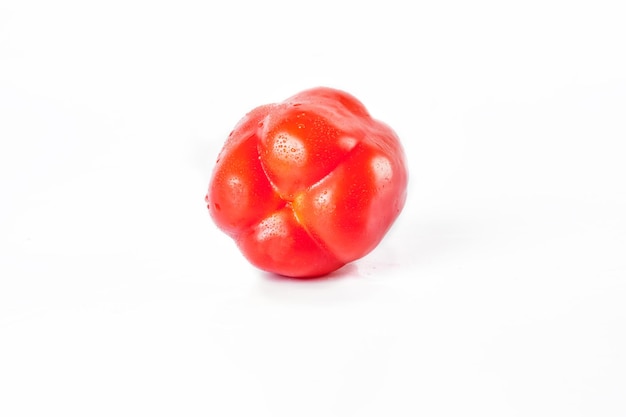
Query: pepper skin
308, 185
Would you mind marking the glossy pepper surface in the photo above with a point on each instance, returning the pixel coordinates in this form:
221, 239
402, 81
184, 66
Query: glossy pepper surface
308, 185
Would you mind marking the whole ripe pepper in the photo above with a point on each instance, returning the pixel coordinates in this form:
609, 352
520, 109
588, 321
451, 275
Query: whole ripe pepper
308, 185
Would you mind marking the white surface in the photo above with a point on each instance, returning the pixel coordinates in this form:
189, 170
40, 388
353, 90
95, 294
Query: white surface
500, 291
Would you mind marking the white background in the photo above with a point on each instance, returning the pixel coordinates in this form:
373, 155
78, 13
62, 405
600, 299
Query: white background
500, 291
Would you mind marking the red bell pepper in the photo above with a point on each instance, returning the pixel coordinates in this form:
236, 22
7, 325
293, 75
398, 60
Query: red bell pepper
308, 185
